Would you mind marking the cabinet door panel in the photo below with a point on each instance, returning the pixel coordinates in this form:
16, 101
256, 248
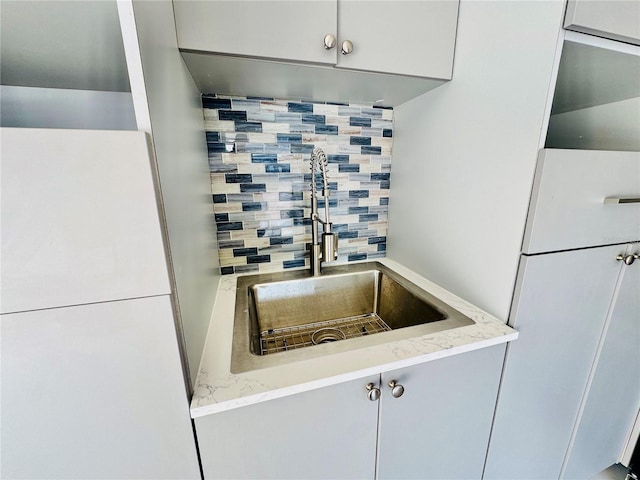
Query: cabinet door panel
80, 222
439, 428
613, 398
399, 36
324, 433
270, 29
618, 20
95, 391
560, 307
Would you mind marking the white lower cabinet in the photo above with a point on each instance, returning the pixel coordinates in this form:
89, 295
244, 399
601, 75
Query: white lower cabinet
572, 378
438, 428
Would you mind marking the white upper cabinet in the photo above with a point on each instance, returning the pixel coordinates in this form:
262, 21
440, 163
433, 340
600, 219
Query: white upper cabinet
275, 29
405, 37
80, 222
614, 19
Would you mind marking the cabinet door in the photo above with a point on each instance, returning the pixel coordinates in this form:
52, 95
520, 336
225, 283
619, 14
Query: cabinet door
613, 396
95, 391
274, 29
324, 433
618, 20
560, 307
439, 428
399, 36
80, 221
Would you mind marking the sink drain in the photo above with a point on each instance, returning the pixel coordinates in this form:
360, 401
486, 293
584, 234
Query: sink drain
326, 335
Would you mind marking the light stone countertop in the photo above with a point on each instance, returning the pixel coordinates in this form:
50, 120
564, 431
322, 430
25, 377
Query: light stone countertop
217, 389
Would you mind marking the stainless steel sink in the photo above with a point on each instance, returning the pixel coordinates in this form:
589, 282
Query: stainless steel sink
291, 316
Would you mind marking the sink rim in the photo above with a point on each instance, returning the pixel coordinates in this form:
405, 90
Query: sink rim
243, 360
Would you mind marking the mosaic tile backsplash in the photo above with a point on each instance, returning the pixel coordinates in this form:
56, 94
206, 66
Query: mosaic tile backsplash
259, 154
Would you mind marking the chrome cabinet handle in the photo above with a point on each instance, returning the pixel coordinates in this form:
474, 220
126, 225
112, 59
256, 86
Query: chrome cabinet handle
396, 389
619, 200
347, 47
628, 259
373, 392
329, 41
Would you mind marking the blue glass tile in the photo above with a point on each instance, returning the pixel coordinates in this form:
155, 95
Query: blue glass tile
220, 167
299, 222
222, 217
340, 227
264, 158
300, 107
349, 111
239, 197
360, 140
326, 129
234, 115
357, 256
371, 112
213, 136
290, 196
226, 270
360, 177
358, 210
245, 104
259, 259
384, 201
379, 176
387, 132
219, 198
223, 235
385, 185
347, 234
367, 150
231, 244
254, 127
277, 168
310, 118
243, 252
280, 240
253, 187
359, 122
283, 117
374, 240
349, 168
214, 103
238, 178
301, 148
291, 177
216, 147
359, 193
246, 268
292, 213
302, 127
227, 226
382, 247
289, 138
245, 147
251, 206
338, 158
269, 99
293, 263
277, 148
261, 116
332, 203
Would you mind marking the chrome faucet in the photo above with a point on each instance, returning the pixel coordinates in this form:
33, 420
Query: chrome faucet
327, 249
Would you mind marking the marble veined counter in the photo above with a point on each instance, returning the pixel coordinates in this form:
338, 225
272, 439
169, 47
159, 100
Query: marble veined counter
217, 389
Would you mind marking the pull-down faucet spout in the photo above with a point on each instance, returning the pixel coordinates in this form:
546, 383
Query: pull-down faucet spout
327, 249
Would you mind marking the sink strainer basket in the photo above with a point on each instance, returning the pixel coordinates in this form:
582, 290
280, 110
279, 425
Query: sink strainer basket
326, 335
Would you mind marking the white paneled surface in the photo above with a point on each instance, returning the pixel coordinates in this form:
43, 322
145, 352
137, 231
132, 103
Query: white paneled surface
95, 391
464, 154
30, 107
560, 307
175, 114
79, 219
615, 19
567, 205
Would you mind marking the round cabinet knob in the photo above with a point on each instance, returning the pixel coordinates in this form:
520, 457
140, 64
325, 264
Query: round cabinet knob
373, 392
396, 389
329, 41
347, 47
628, 259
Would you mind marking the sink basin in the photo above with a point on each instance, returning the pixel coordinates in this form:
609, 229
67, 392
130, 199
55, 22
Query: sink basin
291, 316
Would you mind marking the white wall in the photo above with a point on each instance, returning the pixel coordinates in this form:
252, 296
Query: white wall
464, 153
171, 111
614, 126
32, 107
